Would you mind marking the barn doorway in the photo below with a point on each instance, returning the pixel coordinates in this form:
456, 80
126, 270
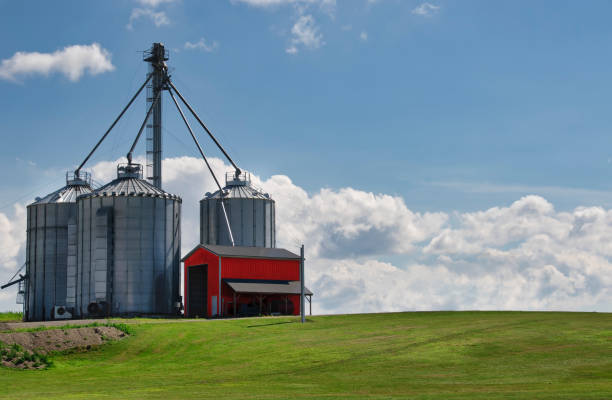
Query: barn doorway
197, 282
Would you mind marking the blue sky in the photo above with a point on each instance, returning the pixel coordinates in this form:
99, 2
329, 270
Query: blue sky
430, 121
504, 94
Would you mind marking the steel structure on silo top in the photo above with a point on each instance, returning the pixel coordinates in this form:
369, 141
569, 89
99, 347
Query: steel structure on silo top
251, 214
129, 248
51, 248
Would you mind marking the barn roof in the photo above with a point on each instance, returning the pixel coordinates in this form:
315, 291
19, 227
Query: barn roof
266, 287
245, 252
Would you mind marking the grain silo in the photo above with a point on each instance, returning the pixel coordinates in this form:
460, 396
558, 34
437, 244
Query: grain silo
51, 249
250, 212
128, 248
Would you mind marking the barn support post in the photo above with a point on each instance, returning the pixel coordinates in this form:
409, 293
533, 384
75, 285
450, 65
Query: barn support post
309, 298
302, 316
234, 304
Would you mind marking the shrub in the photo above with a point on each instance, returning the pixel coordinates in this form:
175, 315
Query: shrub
125, 328
43, 358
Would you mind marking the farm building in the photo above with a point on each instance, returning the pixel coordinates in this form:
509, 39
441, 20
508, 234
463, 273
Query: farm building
114, 250
232, 281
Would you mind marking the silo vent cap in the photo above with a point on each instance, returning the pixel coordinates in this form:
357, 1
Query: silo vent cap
231, 179
125, 171
80, 179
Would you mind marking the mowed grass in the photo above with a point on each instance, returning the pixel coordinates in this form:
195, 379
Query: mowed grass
10, 316
429, 355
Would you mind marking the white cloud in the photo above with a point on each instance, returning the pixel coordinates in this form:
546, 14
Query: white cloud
301, 6
12, 237
159, 18
363, 36
305, 33
202, 44
348, 222
426, 10
71, 61
154, 3
369, 252
12, 251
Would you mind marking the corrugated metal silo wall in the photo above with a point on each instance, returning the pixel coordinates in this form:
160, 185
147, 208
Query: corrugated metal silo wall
253, 222
129, 254
47, 257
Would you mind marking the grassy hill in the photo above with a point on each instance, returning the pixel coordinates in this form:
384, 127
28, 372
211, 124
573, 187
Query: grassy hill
433, 355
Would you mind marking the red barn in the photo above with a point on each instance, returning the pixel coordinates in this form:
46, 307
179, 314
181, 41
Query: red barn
232, 281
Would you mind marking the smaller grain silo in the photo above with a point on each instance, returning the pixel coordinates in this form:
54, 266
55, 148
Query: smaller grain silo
51, 249
250, 212
129, 248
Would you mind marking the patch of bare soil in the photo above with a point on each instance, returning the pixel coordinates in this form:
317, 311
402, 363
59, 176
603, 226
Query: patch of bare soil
43, 342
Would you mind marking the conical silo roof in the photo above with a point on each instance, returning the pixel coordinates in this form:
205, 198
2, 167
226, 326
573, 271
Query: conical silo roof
129, 182
75, 187
238, 188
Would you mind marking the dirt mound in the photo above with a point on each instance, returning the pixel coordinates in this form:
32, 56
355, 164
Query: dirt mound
43, 342
15, 356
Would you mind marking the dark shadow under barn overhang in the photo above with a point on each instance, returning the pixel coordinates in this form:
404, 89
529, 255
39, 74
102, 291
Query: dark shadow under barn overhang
260, 290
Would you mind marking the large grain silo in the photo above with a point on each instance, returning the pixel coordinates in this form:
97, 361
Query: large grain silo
250, 213
51, 249
128, 248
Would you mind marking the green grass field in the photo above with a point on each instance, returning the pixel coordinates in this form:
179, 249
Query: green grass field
10, 317
433, 355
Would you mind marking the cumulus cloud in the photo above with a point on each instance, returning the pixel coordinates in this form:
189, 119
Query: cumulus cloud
425, 10
12, 251
71, 61
203, 45
368, 252
363, 36
12, 237
348, 222
159, 18
305, 33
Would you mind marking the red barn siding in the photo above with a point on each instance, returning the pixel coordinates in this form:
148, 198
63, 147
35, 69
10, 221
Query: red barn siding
240, 268
202, 257
257, 268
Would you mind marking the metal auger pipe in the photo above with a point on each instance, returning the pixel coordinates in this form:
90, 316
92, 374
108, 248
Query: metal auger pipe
76, 173
178, 107
238, 170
